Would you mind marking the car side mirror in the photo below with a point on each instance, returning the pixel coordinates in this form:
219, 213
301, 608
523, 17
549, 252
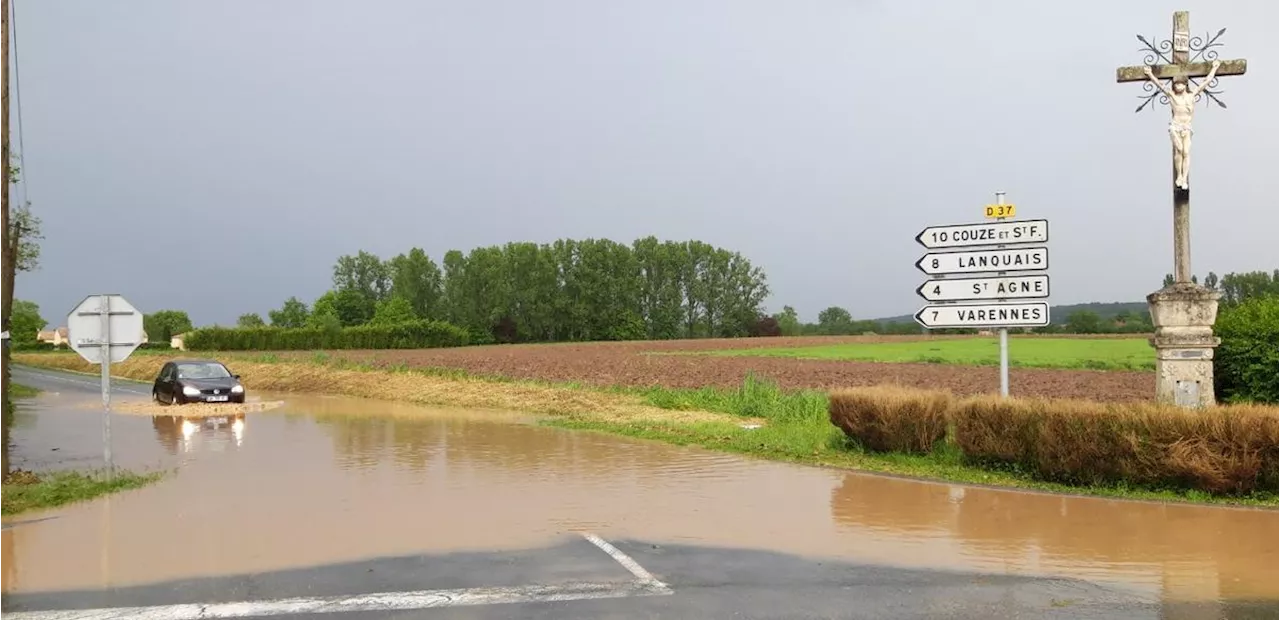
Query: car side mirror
236, 377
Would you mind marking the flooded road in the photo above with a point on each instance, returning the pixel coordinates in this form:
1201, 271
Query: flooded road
325, 480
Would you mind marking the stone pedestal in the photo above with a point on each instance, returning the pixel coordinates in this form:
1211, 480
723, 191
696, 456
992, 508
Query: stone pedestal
1183, 315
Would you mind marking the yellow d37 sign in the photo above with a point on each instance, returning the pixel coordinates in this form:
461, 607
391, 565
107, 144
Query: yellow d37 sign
994, 211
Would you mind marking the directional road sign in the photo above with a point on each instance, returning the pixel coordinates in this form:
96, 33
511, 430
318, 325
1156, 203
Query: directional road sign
1009, 232
123, 331
981, 261
989, 287
1026, 314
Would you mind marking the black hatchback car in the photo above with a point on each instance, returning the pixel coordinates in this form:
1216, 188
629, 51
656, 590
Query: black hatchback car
197, 381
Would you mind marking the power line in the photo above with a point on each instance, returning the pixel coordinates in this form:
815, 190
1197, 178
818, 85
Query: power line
17, 92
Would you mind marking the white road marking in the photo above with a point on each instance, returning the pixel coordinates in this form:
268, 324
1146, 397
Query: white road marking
385, 601
644, 585
625, 560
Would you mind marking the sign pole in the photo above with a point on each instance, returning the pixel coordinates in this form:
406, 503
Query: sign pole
1004, 333
90, 333
104, 307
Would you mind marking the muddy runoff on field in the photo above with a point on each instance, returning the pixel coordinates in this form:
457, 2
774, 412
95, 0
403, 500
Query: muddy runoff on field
324, 480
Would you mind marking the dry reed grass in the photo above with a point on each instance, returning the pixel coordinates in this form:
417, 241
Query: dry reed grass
1228, 449
890, 418
426, 389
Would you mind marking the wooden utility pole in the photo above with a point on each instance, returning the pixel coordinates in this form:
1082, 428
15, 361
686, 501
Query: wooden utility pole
8, 269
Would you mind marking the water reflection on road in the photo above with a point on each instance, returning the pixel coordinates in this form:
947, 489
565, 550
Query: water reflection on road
326, 480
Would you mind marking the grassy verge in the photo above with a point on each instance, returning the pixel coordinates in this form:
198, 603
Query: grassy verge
757, 419
24, 491
22, 391
1071, 353
798, 429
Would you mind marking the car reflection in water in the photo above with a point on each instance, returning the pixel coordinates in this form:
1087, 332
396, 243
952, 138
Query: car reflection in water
188, 433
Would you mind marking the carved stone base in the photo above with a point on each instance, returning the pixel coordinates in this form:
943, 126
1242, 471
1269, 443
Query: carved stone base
1183, 315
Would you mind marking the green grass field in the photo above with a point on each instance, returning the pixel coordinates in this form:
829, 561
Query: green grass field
1094, 353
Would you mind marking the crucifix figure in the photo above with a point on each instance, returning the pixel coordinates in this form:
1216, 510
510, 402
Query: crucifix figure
1192, 65
1182, 103
1180, 72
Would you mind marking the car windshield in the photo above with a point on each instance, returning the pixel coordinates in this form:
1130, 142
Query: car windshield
207, 370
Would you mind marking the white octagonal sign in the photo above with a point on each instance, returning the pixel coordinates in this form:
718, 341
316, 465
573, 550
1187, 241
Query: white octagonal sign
85, 328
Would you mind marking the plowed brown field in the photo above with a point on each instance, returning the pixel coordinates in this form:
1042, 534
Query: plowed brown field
631, 364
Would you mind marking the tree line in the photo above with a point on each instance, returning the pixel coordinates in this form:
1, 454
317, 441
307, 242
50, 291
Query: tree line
1237, 288
646, 287
569, 290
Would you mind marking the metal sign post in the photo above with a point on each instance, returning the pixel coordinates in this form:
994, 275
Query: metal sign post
105, 309
103, 329
1004, 331
984, 248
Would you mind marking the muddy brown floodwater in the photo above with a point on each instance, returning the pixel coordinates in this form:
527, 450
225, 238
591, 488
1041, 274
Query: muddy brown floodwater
326, 480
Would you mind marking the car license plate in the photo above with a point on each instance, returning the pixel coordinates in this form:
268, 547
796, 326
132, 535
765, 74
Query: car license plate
217, 399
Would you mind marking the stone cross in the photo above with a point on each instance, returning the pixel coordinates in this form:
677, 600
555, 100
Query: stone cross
1186, 58
1184, 312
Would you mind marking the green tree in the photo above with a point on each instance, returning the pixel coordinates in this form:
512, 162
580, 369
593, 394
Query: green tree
292, 314
1241, 287
1211, 281
1168, 279
251, 319
18, 252
417, 279
24, 230
364, 273
392, 311
324, 311
834, 321
456, 302
353, 307
1084, 322
26, 323
326, 321
789, 321
164, 324
661, 294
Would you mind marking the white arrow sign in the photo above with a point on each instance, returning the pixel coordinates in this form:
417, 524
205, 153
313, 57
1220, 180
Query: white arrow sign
990, 287
985, 233
1027, 314
979, 261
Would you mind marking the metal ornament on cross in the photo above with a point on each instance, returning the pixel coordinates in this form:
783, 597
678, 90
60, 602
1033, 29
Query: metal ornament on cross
1191, 67
1180, 72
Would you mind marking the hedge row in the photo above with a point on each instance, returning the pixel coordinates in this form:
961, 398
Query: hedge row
1245, 364
410, 335
1229, 449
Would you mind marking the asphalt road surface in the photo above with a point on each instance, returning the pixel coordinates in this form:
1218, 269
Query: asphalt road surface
585, 576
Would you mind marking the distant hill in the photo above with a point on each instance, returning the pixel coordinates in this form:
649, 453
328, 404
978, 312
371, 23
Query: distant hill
1059, 314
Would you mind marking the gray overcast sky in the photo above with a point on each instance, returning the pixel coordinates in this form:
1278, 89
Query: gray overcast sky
218, 156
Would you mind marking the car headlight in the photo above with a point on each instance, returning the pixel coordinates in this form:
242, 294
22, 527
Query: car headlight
238, 389
190, 391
